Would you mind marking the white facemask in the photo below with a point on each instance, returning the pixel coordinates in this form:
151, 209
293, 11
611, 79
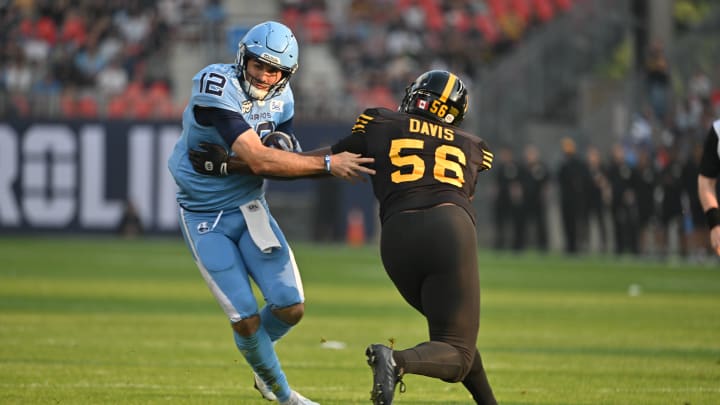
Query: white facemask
254, 92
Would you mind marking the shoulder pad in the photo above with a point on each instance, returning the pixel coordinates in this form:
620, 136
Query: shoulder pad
370, 115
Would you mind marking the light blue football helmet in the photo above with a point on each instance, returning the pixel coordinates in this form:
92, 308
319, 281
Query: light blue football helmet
272, 43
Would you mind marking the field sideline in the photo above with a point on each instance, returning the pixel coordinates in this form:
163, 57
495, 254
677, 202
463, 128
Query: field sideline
109, 321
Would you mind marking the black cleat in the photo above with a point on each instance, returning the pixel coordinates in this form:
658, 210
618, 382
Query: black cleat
385, 375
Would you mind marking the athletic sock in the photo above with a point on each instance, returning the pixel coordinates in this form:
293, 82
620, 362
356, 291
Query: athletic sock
260, 354
275, 327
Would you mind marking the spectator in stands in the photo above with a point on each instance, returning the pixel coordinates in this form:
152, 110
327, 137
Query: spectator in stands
17, 74
657, 73
113, 78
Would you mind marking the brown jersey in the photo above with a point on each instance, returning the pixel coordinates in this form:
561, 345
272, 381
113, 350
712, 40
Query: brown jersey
419, 163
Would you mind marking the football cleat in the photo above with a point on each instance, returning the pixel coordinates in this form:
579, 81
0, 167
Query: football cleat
385, 375
263, 388
297, 399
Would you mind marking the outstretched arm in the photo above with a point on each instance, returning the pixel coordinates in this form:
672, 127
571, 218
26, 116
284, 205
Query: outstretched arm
709, 202
213, 159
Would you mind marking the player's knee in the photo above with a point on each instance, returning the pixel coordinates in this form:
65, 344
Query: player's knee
463, 365
246, 327
290, 315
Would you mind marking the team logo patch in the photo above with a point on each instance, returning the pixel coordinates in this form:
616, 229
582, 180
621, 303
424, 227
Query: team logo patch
276, 106
203, 227
422, 104
246, 106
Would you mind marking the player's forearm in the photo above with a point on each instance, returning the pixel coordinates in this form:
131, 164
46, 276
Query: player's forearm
264, 161
318, 152
274, 162
706, 192
237, 166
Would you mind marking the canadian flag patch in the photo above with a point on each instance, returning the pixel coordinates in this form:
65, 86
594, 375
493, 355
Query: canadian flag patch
422, 104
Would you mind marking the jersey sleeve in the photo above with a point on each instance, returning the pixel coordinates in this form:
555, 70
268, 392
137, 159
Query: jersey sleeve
710, 160
229, 124
364, 119
213, 88
356, 142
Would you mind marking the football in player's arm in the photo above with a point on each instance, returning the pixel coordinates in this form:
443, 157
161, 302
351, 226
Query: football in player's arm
707, 182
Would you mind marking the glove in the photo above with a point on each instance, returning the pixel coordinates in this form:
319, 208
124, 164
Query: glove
281, 140
211, 159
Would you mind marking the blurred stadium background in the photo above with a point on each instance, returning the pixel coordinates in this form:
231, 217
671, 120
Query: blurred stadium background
91, 93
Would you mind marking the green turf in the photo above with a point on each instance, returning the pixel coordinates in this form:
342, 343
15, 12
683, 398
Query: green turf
105, 321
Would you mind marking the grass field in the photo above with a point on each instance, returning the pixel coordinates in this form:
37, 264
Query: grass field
105, 321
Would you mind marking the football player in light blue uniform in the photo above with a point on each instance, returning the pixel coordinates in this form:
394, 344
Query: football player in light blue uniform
225, 220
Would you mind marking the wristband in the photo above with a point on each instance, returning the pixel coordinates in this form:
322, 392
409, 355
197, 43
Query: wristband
327, 163
713, 217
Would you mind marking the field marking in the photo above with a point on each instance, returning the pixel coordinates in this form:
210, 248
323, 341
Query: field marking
206, 388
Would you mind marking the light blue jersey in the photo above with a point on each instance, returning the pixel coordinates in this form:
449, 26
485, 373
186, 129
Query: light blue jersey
225, 220
218, 86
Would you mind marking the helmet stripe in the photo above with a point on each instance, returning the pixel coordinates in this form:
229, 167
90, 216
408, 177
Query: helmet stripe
448, 87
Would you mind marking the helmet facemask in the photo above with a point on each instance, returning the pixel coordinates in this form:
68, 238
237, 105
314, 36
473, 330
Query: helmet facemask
248, 82
270, 43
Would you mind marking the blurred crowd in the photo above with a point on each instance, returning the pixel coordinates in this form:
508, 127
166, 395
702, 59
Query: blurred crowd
108, 58
91, 58
383, 44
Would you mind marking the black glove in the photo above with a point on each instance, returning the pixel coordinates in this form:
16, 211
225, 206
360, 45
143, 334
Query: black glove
211, 159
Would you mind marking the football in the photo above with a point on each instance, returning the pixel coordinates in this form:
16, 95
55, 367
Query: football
278, 140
